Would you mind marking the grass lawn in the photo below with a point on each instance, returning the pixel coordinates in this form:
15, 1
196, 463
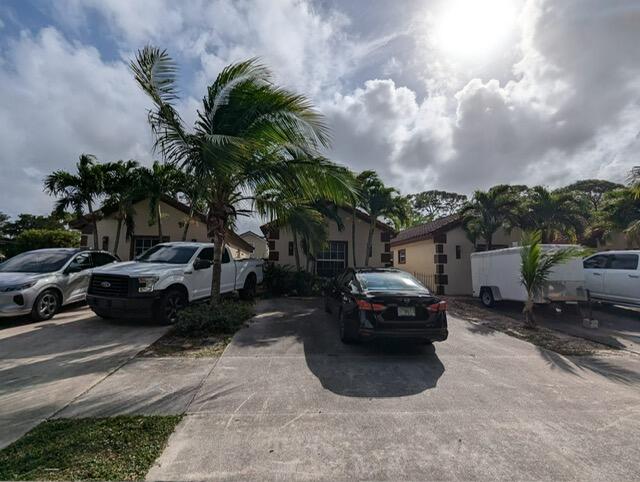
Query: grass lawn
118, 448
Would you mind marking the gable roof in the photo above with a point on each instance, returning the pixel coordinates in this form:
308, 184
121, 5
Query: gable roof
359, 214
232, 237
427, 230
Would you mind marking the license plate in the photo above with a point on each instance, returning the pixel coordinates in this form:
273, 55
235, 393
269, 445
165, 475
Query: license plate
406, 311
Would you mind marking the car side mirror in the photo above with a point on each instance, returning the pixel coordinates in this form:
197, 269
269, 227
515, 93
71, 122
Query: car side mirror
202, 264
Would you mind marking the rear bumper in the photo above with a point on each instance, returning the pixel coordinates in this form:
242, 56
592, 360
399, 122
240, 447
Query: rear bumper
432, 334
139, 307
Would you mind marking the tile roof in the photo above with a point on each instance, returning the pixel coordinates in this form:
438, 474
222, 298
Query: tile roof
426, 230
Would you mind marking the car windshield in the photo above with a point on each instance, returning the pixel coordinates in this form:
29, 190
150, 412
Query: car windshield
167, 253
389, 281
36, 262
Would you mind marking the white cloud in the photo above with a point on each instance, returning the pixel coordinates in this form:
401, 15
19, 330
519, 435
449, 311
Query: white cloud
59, 100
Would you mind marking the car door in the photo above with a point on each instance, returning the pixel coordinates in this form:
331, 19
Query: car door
228, 274
202, 273
102, 259
77, 275
594, 270
622, 279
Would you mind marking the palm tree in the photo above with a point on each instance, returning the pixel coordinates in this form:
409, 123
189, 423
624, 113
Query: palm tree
634, 181
378, 201
555, 213
489, 211
620, 211
122, 187
536, 265
249, 135
158, 181
79, 190
193, 191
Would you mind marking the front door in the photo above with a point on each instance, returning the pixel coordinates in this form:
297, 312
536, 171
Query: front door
622, 278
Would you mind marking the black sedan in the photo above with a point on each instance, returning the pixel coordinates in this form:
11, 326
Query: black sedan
384, 302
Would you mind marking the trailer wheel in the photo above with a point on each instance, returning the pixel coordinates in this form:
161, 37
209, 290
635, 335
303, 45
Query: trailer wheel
486, 297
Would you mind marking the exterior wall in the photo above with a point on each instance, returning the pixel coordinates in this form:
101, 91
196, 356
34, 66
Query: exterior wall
260, 247
434, 261
172, 226
381, 255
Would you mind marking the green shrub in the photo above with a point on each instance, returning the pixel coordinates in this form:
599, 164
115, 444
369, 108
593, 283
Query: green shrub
285, 280
203, 320
43, 238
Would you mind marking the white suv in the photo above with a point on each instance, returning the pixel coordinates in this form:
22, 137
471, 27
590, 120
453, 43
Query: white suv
614, 277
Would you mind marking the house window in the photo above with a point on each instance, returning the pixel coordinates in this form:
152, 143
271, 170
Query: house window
439, 248
105, 243
333, 260
290, 248
84, 241
142, 243
272, 244
402, 256
458, 251
385, 236
387, 247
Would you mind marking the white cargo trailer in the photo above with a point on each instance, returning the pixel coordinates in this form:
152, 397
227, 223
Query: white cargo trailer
496, 276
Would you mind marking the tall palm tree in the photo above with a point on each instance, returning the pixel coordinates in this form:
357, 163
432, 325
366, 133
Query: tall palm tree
122, 188
378, 201
536, 265
249, 134
634, 181
157, 181
555, 213
193, 191
80, 190
489, 211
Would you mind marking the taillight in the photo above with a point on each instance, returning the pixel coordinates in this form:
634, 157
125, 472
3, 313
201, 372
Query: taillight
368, 306
437, 307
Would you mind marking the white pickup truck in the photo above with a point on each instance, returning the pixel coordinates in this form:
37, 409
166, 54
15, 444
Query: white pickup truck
165, 278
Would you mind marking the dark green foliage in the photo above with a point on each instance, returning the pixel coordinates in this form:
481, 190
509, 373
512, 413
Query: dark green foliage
24, 222
118, 448
43, 238
284, 280
434, 204
204, 319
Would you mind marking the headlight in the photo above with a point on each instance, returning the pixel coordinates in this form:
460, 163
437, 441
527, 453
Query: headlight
146, 284
20, 287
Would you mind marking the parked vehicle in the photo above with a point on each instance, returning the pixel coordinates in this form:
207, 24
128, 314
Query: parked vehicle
385, 302
613, 277
40, 282
495, 276
165, 278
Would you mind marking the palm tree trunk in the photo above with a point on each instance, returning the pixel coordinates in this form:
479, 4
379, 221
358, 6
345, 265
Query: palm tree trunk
186, 225
117, 241
369, 241
216, 225
529, 320
353, 235
489, 242
95, 226
158, 216
295, 250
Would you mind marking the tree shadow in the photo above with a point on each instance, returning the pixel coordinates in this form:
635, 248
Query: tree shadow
577, 365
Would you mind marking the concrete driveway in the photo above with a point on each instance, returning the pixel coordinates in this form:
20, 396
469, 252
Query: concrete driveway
288, 401
46, 365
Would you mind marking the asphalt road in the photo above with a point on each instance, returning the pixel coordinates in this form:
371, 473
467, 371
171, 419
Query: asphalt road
288, 401
44, 366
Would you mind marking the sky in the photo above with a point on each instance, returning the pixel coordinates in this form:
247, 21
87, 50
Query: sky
455, 95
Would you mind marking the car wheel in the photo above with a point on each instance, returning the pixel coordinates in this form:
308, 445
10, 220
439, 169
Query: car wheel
170, 304
348, 330
248, 292
486, 297
46, 305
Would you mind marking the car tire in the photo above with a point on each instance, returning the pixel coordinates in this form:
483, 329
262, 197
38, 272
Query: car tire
348, 330
486, 298
47, 304
170, 304
248, 291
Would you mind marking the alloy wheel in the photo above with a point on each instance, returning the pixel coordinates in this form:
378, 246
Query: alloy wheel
47, 305
173, 305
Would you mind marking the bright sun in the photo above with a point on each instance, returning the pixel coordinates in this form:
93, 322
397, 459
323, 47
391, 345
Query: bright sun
474, 29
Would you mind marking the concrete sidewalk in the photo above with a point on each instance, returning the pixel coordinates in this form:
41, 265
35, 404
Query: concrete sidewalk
287, 400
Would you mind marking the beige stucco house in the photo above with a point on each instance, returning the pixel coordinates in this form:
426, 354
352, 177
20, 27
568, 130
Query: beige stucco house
438, 253
174, 216
259, 244
338, 253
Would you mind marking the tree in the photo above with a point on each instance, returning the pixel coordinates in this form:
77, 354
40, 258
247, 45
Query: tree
434, 204
378, 201
536, 265
491, 210
634, 181
80, 190
157, 181
620, 211
4, 220
194, 192
43, 238
593, 189
122, 186
556, 214
24, 222
249, 135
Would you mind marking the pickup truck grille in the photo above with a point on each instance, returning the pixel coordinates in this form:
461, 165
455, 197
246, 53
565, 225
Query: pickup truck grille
109, 285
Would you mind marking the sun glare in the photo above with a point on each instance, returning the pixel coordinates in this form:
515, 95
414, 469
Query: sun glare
473, 29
